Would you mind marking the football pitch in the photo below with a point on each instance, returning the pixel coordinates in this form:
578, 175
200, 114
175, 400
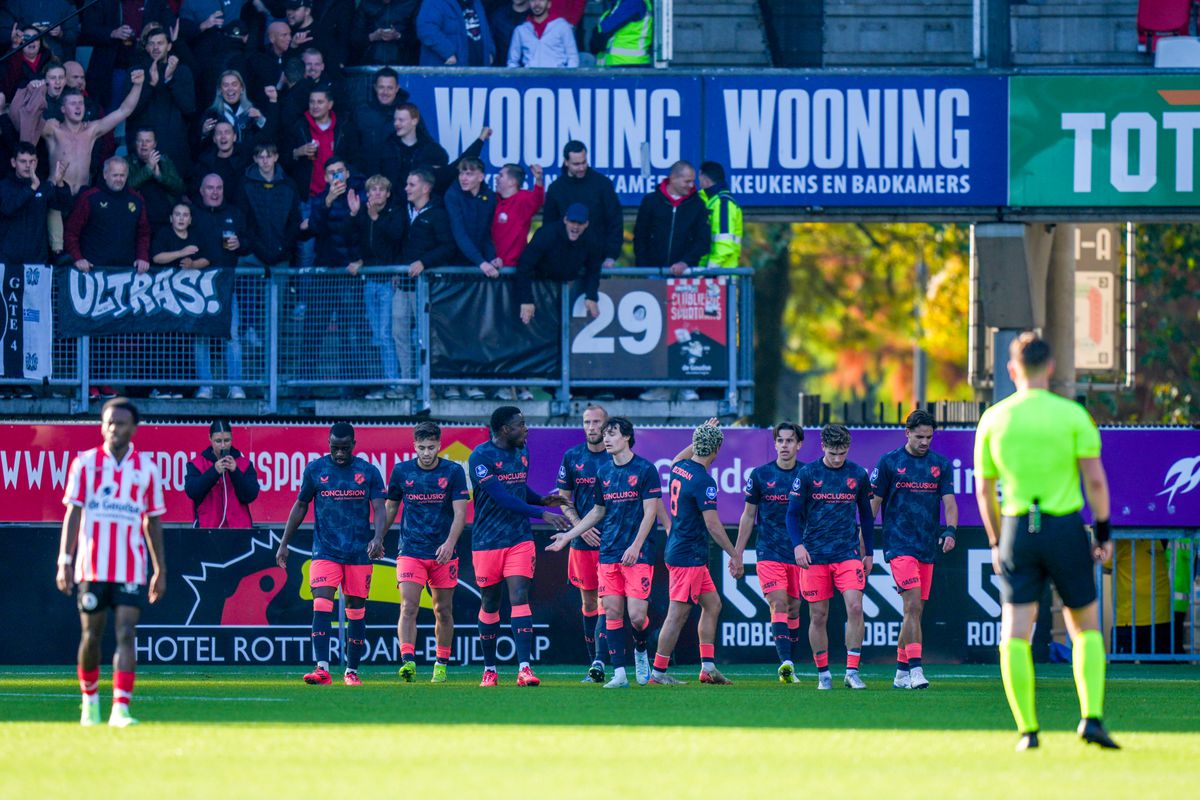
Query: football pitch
262, 733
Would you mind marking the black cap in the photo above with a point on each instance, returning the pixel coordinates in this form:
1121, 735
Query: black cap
577, 212
291, 4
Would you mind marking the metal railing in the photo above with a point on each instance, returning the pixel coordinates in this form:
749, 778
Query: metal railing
311, 332
1152, 560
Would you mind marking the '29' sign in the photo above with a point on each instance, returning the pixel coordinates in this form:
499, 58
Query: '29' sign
626, 337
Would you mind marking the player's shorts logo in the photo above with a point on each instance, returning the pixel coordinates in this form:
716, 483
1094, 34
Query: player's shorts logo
88, 601
645, 584
858, 574
443, 483
129, 588
453, 572
935, 471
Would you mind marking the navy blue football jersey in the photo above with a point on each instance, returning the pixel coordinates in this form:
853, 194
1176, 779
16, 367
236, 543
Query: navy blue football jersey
577, 475
911, 489
690, 492
768, 487
622, 491
428, 496
830, 503
495, 527
342, 509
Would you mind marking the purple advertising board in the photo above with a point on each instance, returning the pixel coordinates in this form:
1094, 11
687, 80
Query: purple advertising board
1154, 474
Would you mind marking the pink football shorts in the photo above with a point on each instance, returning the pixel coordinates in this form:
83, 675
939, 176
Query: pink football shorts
427, 571
635, 581
493, 566
774, 576
582, 569
819, 580
354, 579
686, 584
909, 573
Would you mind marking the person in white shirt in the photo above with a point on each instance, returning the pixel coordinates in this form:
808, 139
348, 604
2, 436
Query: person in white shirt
542, 41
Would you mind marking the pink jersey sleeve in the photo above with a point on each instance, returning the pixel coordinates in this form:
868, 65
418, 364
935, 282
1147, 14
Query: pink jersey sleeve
154, 494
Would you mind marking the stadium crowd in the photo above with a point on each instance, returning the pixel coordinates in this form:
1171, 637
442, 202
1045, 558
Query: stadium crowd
208, 134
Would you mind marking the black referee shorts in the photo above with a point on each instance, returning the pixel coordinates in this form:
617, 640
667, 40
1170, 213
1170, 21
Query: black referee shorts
1059, 552
96, 597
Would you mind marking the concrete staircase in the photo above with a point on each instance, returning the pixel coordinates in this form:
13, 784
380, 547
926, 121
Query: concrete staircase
720, 33
1076, 32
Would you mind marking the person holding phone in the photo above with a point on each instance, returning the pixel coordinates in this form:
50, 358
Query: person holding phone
221, 482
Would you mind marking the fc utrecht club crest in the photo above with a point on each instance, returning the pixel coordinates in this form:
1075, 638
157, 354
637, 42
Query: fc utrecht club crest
633, 480
935, 471
851, 483
359, 478
443, 483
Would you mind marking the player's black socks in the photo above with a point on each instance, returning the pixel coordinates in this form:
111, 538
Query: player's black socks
601, 638
322, 629
522, 629
640, 637
589, 634
356, 642
783, 641
487, 637
616, 646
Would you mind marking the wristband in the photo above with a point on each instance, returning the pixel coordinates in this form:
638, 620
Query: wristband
65, 560
1103, 531
949, 532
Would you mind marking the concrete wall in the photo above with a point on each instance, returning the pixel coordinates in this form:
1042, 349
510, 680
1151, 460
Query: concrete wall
724, 33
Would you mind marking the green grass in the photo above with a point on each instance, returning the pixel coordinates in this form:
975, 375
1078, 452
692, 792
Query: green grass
261, 733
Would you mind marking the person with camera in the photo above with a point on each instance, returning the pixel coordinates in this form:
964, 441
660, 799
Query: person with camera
221, 482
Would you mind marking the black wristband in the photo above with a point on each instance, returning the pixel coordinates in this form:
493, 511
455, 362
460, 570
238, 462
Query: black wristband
1103, 531
949, 532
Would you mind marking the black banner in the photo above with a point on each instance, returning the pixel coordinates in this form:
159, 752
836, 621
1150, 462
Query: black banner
228, 603
476, 330
114, 300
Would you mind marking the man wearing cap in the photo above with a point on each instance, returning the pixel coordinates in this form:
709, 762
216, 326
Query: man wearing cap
324, 25
562, 252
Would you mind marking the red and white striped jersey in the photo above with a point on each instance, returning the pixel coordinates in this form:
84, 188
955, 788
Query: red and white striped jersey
116, 497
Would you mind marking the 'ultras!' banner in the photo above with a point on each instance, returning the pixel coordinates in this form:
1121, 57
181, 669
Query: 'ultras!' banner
1154, 473
872, 140
26, 321
635, 127
651, 330
114, 300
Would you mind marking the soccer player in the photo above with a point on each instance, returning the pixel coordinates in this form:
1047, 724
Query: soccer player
626, 508
1037, 444
502, 550
692, 504
348, 529
114, 503
825, 540
909, 484
577, 484
434, 493
778, 576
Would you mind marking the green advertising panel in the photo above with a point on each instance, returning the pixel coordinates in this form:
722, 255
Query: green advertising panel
1103, 140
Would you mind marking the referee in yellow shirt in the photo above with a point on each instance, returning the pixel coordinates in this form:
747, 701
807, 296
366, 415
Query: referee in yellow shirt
1036, 444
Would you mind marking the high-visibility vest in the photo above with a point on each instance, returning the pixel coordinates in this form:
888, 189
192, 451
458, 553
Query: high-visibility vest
631, 43
725, 219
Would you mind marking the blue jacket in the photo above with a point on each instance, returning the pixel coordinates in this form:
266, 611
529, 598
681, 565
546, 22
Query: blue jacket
471, 224
442, 34
335, 229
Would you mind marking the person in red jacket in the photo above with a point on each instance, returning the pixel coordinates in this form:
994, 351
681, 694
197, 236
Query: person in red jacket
221, 482
515, 208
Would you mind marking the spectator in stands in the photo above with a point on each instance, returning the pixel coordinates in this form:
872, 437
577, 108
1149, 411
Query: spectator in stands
455, 33
385, 32
410, 147
504, 19
217, 37
108, 225
271, 206
179, 245
223, 229
515, 207
563, 251
427, 244
375, 119
266, 68
543, 41
379, 230
336, 246
225, 157
579, 183
233, 106
24, 201
222, 224
472, 207
323, 24
314, 139
624, 34
168, 97
111, 28
40, 15
155, 177
221, 482
55, 78
672, 224
724, 217
27, 65
106, 145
